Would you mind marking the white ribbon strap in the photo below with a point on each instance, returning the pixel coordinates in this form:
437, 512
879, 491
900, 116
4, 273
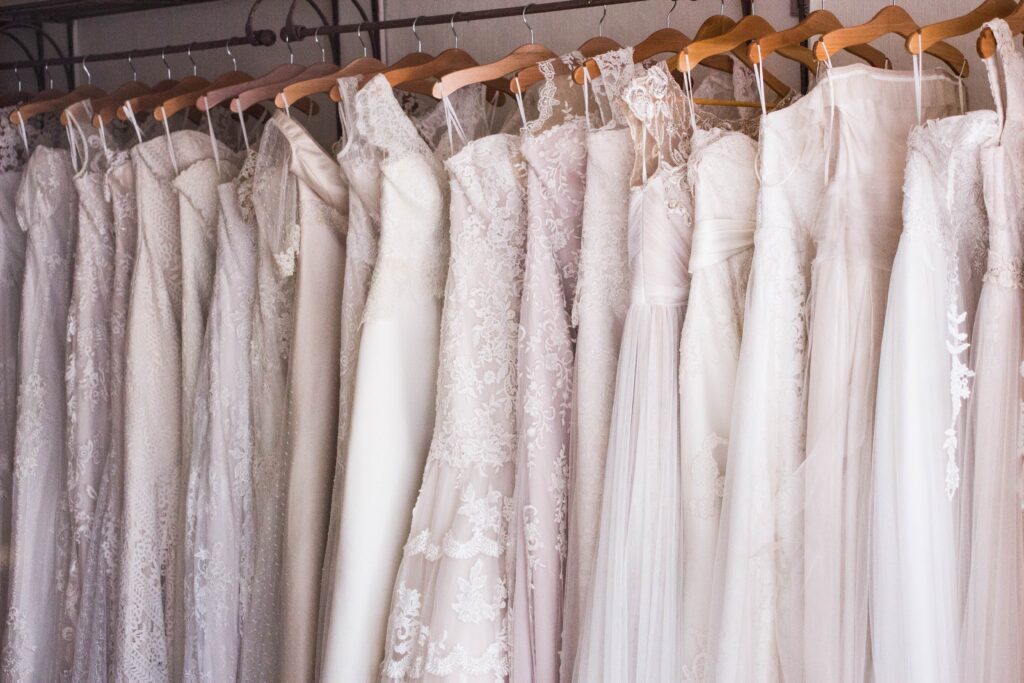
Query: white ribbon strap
213, 137
23, 131
688, 86
170, 143
759, 80
130, 113
519, 103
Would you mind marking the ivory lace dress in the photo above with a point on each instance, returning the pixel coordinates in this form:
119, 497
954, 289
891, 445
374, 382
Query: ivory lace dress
392, 414
317, 253
449, 610
599, 311
554, 147
220, 515
274, 196
151, 621
13, 156
631, 629
47, 207
993, 621
359, 162
99, 609
88, 375
856, 234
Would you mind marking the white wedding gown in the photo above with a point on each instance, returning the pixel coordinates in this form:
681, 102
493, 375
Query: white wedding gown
993, 622
722, 173
395, 378
46, 208
599, 313
856, 234
923, 382
449, 610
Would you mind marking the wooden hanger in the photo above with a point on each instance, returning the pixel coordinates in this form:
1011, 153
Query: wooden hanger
958, 26
891, 19
816, 23
190, 99
746, 29
150, 101
987, 40
105, 108
297, 92
520, 58
36, 106
597, 45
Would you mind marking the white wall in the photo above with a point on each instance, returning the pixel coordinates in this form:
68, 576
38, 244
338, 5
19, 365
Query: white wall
486, 40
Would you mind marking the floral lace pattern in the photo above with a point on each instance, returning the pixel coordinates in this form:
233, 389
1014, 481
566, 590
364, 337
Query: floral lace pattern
88, 378
599, 312
556, 159
449, 610
274, 207
46, 210
151, 620
219, 514
99, 610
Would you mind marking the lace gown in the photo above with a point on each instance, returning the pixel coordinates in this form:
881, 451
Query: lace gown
12, 271
274, 198
88, 375
756, 608
98, 604
554, 147
395, 375
47, 211
993, 621
599, 311
722, 173
855, 235
449, 610
219, 521
923, 381
631, 630
360, 167
151, 619
318, 252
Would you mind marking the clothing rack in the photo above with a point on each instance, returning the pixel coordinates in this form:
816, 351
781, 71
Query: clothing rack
267, 37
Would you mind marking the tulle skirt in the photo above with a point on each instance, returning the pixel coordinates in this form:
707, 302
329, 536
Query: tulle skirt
632, 631
993, 623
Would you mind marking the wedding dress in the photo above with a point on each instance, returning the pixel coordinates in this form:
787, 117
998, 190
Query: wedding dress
856, 234
756, 605
99, 610
631, 629
149, 632
219, 519
923, 380
359, 162
449, 610
599, 311
395, 375
13, 156
47, 211
993, 622
723, 174
274, 204
88, 375
317, 254
554, 148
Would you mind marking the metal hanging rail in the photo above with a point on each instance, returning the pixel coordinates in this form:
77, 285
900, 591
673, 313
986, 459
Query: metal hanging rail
260, 37
300, 32
267, 37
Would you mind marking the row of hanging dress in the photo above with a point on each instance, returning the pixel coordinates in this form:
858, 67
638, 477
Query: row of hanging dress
630, 390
